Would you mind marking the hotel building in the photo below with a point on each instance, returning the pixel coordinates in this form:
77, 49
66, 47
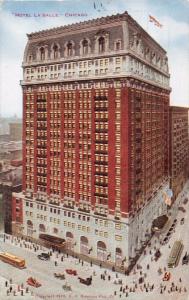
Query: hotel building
95, 137
179, 149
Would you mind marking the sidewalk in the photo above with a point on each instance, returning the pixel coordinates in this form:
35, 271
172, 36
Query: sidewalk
10, 290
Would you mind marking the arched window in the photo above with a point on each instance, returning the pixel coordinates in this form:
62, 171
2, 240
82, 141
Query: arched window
42, 227
84, 245
29, 223
55, 51
101, 245
29, 228
69, 235
101, 251
42, 53
70, 49
85, 47
118, 45
118, 257
70, 240
30, 58
55, 230
101, 44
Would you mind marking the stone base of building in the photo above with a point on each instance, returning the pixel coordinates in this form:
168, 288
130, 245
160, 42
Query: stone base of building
102, 239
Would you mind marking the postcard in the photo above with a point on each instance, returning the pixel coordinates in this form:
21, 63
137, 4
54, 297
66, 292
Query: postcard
94, 149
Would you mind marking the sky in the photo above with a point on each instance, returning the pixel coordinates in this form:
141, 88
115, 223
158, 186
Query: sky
173, 36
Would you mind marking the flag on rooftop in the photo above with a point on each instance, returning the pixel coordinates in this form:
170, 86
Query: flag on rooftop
155, 21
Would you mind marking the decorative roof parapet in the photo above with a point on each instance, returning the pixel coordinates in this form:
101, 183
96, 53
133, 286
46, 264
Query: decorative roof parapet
79, 25
85, 24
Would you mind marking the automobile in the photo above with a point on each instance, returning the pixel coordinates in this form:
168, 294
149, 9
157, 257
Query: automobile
185, 201
173, 225
182, 209
86, 281
141, 280
168, 234
185, 259
157, 255
43, 256
71, 272
175, 220
182, 221
119, 281
66, 287
59, 275
166, 276
33, 282
165, 240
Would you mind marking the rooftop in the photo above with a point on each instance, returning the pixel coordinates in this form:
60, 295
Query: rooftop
98, 21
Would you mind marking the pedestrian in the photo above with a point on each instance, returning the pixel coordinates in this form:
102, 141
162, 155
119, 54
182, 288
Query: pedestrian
55, 263
10, 289
82, 263
62, 258
109, 277
180, 280
6, 283
91, 263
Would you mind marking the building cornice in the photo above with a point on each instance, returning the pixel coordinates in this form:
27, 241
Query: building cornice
122, 77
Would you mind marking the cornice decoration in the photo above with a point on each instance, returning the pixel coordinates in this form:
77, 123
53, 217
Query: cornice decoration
80, 25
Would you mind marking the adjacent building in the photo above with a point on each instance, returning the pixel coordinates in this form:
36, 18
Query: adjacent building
179, 149
15, 129
10, 181
95, 137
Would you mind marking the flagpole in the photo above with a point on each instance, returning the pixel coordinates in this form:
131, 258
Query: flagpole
147, 23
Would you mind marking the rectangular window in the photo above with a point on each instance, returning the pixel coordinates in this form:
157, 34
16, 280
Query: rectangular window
118, 238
